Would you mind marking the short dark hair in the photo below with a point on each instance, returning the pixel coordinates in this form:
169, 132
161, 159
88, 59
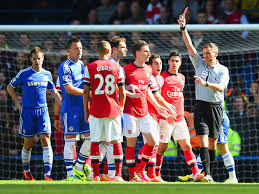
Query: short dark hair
153, 56
174, 53
73, 39
36, 50
137, 46
102, 46
115, 41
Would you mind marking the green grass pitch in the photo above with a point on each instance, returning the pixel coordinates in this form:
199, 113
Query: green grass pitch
78, 187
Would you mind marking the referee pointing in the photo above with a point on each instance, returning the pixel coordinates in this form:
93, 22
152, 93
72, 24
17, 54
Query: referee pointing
210, 81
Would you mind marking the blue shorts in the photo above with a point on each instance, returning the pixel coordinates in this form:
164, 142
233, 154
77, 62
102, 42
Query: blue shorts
74, 123
34, 121
223, 134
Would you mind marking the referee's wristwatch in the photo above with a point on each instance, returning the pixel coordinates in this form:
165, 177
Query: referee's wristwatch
206, 85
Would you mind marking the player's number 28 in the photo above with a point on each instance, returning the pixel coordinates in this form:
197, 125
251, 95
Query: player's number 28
109, 84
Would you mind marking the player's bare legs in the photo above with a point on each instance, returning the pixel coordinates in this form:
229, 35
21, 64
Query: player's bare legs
228, 162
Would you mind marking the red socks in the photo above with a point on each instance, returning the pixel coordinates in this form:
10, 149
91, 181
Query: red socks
147, 152
130, 159
118, 157
152, 164
191, 161
159, 161
95, 155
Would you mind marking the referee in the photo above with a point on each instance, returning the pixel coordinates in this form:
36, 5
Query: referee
210, 81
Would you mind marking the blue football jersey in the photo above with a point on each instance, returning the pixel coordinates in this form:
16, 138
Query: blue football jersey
71, 73
34, 86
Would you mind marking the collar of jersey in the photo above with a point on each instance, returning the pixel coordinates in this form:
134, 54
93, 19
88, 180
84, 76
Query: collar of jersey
114, 60
137, 66
171, 73
35, 70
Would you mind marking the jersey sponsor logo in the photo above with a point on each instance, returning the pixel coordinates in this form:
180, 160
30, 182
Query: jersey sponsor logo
142, 84
175, 93
103, 68
37, 83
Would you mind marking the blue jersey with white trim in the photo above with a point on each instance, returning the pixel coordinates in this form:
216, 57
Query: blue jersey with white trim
34, 86
71, 73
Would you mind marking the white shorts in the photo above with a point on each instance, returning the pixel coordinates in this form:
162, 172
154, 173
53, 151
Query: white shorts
132, 126
105, 129
178, 131
155, 130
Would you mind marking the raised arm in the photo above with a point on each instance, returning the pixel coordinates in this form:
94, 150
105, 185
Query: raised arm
186, 37
13, 95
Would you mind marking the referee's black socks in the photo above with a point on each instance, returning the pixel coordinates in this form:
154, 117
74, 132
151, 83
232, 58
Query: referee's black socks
212, 154
205, 159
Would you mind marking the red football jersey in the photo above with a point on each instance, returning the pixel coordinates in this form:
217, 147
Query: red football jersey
103, 76
155, 87
140, 77
172, 91
234, 17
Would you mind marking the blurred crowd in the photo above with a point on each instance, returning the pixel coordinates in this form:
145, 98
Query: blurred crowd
132, 11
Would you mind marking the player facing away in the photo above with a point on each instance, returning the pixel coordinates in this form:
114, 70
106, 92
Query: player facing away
106, 80
172, 84
155, 63
34, 118
70, 75
136, 118
118, 51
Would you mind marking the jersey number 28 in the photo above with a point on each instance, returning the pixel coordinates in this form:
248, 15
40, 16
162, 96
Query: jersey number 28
109, 84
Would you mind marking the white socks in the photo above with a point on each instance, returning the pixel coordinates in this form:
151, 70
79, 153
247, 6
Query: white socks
68, 156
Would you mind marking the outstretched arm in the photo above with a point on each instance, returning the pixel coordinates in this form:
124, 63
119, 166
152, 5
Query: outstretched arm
186, 37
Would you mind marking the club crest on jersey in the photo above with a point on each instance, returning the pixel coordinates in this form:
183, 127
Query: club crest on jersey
71, 128
24, 131
45, 78
129, 131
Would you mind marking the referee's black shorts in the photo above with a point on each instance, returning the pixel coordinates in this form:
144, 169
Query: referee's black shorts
208, 118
